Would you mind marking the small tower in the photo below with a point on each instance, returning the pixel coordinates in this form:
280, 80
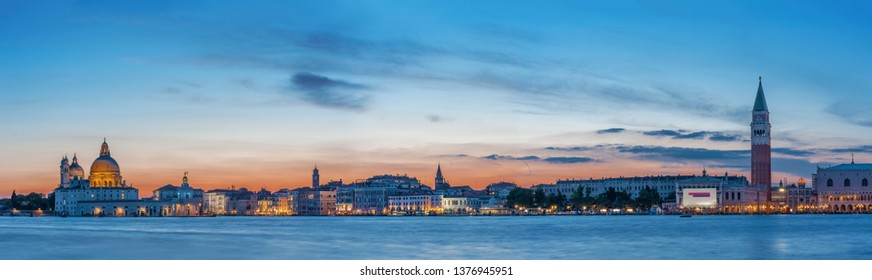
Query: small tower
185, 180
316, 178
65, 173
761, 151
440, 183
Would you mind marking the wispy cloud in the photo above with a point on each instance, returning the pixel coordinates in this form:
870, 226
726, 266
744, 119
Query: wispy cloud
610, 130
331, 93
569, 159
684, 134
555, 160
681, 153
793, 152
570, 149
502, 157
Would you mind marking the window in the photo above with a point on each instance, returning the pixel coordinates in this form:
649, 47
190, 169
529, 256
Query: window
847, 182
865, 182
829, 182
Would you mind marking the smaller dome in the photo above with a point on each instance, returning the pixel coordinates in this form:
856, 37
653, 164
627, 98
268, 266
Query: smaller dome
105, 164
77, 170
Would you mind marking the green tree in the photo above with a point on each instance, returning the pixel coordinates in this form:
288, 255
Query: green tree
520, 197
539, 198
647, 198
576, 198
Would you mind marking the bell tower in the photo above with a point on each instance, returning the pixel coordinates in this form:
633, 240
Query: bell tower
316, 178
761, 139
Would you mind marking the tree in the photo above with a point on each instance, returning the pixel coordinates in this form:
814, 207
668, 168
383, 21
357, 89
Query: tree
647, 198
519, 197
12, 200
539, 198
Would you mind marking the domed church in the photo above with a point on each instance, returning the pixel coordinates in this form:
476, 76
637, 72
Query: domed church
105, 172
105, 193
104, 183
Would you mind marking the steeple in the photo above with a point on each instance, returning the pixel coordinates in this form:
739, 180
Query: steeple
185, 180
75, 159
440, 183
104, 149
760, 102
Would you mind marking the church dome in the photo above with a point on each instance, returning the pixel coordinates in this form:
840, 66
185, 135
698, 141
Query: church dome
104, 164
77, 170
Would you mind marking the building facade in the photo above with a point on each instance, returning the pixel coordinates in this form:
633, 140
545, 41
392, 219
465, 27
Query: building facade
844, 188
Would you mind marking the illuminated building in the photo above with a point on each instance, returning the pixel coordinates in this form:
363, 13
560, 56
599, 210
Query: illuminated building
416, 204
718, 194
183, 192
314, 202
844, 188
460, 205
663, 184
105, 193
73, 194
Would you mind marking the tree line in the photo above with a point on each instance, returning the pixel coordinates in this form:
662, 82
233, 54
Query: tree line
31, 201
581, 199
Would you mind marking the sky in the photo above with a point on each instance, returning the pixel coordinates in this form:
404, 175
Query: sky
256, 93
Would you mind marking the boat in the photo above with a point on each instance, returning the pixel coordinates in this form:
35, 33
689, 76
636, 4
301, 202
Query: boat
685, 215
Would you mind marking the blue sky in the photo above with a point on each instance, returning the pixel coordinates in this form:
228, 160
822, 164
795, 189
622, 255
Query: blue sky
254, 93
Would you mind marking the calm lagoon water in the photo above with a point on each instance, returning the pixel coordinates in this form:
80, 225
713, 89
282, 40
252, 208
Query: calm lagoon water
539, 237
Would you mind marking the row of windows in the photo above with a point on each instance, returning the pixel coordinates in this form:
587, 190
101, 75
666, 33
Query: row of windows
847, 183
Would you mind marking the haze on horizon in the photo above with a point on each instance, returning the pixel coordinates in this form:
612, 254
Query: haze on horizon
255, 94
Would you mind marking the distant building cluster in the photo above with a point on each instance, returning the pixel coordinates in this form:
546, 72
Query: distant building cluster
838, 189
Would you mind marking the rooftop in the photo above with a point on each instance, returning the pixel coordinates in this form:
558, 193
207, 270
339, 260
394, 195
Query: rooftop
851, 166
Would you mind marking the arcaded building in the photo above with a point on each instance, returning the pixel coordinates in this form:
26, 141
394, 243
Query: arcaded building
844, 188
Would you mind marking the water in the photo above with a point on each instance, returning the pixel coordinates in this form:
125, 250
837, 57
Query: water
543, 237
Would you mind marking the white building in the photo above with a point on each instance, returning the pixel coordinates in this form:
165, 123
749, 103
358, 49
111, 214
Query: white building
844, 188
718, 194
104, 184
419, 204
460, 205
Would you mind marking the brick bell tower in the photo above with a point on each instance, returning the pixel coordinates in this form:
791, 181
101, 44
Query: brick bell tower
761, 139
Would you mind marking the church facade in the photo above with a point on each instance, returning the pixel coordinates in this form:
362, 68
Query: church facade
105, 193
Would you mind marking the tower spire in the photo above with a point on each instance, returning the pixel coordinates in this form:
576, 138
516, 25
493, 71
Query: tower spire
760, 102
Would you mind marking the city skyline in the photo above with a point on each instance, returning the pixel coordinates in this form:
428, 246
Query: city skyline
525, 93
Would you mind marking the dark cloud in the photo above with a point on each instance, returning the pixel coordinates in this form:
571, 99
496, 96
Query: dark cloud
569, 160
568, 149
793, 152
858, 149
684, 134
682, 153
722, 137
330, 93
555, 160
501, 157
692, 135
610, 130
664, 132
